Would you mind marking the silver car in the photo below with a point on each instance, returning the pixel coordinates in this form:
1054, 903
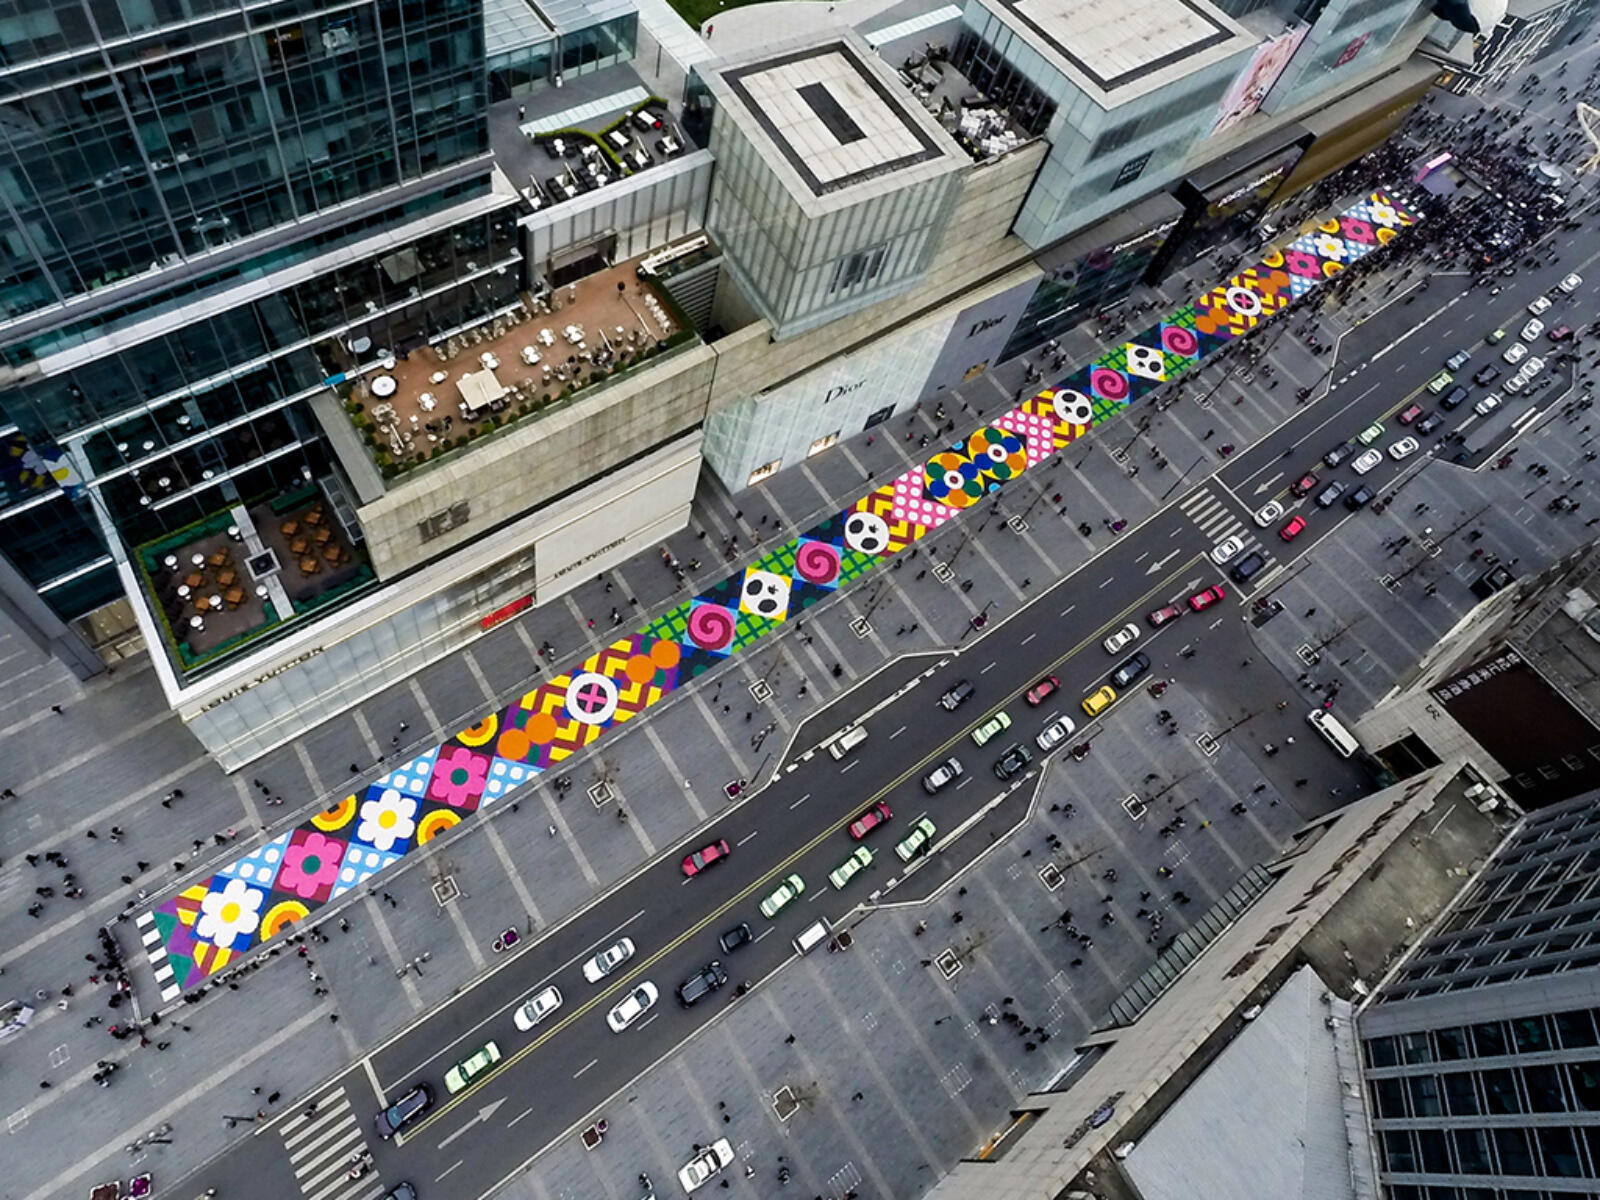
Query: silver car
608, 960
945, 773
1053, 734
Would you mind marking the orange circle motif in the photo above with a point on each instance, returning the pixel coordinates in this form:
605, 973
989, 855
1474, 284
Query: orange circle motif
641, 669
513, 744
666, 655
541, 729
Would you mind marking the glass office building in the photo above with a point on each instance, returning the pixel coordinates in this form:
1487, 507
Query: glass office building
205, 204
1482, 1052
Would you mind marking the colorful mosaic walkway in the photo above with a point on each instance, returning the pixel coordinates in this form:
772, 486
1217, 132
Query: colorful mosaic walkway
193, 935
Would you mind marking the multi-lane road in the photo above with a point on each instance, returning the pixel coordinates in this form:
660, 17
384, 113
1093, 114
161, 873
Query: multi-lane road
559, 1074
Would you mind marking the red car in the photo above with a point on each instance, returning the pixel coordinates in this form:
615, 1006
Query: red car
1161, 616
1560, 333
1410, 414
1041, 690
1205, 599
1303, 485
1293, 529
870, 820
703, 858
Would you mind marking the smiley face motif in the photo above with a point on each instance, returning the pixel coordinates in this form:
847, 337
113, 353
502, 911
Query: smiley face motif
866, 533
764, 595
1146, 363
1074, 408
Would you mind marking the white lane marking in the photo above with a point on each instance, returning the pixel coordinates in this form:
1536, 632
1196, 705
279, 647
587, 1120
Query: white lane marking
518, 1117
850, 766
799, 802
987, 669
1028, 639
585, 1067
897, 732
747, 837
448, 1169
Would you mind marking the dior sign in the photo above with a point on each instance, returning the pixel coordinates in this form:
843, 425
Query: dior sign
840, 390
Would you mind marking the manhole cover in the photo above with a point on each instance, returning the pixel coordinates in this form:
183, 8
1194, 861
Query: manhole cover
445, 890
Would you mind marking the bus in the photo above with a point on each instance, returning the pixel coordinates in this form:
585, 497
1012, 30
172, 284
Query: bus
1336, 735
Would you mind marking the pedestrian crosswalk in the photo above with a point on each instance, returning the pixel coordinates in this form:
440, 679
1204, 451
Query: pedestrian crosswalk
323, 1142
1216, 519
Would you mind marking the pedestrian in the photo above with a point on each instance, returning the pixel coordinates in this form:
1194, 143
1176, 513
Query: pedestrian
91, 833
55, 708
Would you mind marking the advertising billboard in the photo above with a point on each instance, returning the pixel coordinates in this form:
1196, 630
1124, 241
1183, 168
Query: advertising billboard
1250, 87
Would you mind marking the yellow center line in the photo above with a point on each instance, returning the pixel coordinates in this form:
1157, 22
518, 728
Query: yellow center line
784, 868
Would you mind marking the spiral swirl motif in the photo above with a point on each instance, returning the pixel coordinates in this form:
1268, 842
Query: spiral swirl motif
711, 627
1175, 339
817, 562
1109, 384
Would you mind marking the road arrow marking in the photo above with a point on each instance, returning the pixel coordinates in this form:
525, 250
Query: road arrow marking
484, 1113
1265, 486
1156, 566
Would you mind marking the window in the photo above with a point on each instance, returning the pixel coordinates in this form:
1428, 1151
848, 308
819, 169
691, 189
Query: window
1452, 1044
1414, 1048
1397, 1152
1489, 1039
1543, 1086
1500, 1092
1131, 170
1460, 1095
765, 472
1560, 1151
1584, 1078
859, 266
1390, 1097
1472, 1151
1381, 1052
822, 443
1425, 1096
1516, 1158
1531, 1035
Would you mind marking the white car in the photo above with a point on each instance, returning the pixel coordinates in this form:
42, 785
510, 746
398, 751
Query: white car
1269, 513
1515, 384
1367, 461
1532, 330
1532, 367
608, 960
697, 1172
1404, 448
1487, 405
1515, 353
1572, 283
632, 1006
1128, 633
1541, 305
537, 1007
1227, 549
1053, 734
946, 772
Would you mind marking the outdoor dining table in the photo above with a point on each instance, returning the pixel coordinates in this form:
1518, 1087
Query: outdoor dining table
439, 376
197, 623
198, 560
384, 385
426, 400
170, 562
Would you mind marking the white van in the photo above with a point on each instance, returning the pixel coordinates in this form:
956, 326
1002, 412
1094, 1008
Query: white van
811, 937
847, 741
1343, 742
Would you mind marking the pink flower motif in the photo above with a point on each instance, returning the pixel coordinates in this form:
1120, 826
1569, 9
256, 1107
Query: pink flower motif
1301, 263
1356, 230
311, 864
459, 777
